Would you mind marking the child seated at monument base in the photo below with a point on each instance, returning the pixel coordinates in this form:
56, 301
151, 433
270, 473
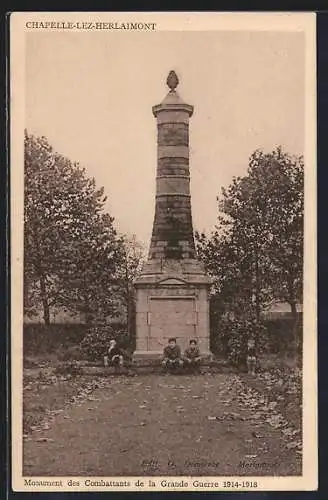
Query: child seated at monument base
114, 356
172, 356
192, 356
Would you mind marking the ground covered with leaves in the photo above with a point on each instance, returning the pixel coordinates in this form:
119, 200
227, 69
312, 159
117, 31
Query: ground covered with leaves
219, 424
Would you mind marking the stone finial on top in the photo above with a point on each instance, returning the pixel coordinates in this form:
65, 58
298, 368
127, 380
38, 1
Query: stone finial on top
172, 80
172, 101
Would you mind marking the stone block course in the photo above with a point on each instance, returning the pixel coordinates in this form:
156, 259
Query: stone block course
175, 134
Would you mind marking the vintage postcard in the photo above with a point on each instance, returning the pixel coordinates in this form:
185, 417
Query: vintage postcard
163, 251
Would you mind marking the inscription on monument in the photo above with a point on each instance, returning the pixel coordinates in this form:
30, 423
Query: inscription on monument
174, 290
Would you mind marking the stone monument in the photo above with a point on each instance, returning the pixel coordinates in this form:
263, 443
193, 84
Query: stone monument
172, 290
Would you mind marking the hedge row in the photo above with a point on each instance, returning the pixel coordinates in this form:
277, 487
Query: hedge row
41, 338
46, 339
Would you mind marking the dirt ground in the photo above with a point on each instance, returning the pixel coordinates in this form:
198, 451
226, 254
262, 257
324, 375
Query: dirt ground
164, 425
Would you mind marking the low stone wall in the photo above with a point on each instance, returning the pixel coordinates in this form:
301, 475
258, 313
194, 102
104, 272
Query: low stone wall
154, 366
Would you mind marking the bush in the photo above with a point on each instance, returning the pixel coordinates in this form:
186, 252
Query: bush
276, 335
281, 338
96, 341
232, 336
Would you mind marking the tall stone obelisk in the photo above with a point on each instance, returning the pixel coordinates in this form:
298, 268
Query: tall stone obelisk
172, 291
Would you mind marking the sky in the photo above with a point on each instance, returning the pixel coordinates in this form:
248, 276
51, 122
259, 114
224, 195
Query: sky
91, 95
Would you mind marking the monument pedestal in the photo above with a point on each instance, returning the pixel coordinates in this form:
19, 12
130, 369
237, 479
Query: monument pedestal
171, 301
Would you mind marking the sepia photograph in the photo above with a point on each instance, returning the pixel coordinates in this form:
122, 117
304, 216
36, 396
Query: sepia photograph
163, 251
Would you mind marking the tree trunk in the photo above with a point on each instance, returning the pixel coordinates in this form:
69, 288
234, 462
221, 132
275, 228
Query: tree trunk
292, 302
44, 299
293, 310
128, 315
294, 321
257, 288
128, 298
42, 278
88, 314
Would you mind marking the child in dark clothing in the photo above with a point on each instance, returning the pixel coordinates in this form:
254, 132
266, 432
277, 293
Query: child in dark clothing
114, 355
251, 356
172, 355
192, 356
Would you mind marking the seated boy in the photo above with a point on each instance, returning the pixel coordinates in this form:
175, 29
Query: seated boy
172, 355
192, 356
114, 355
251, 356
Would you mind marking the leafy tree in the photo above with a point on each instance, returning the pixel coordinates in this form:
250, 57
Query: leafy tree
278, 180
282, 177
88, 281
255, 253
71, 249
